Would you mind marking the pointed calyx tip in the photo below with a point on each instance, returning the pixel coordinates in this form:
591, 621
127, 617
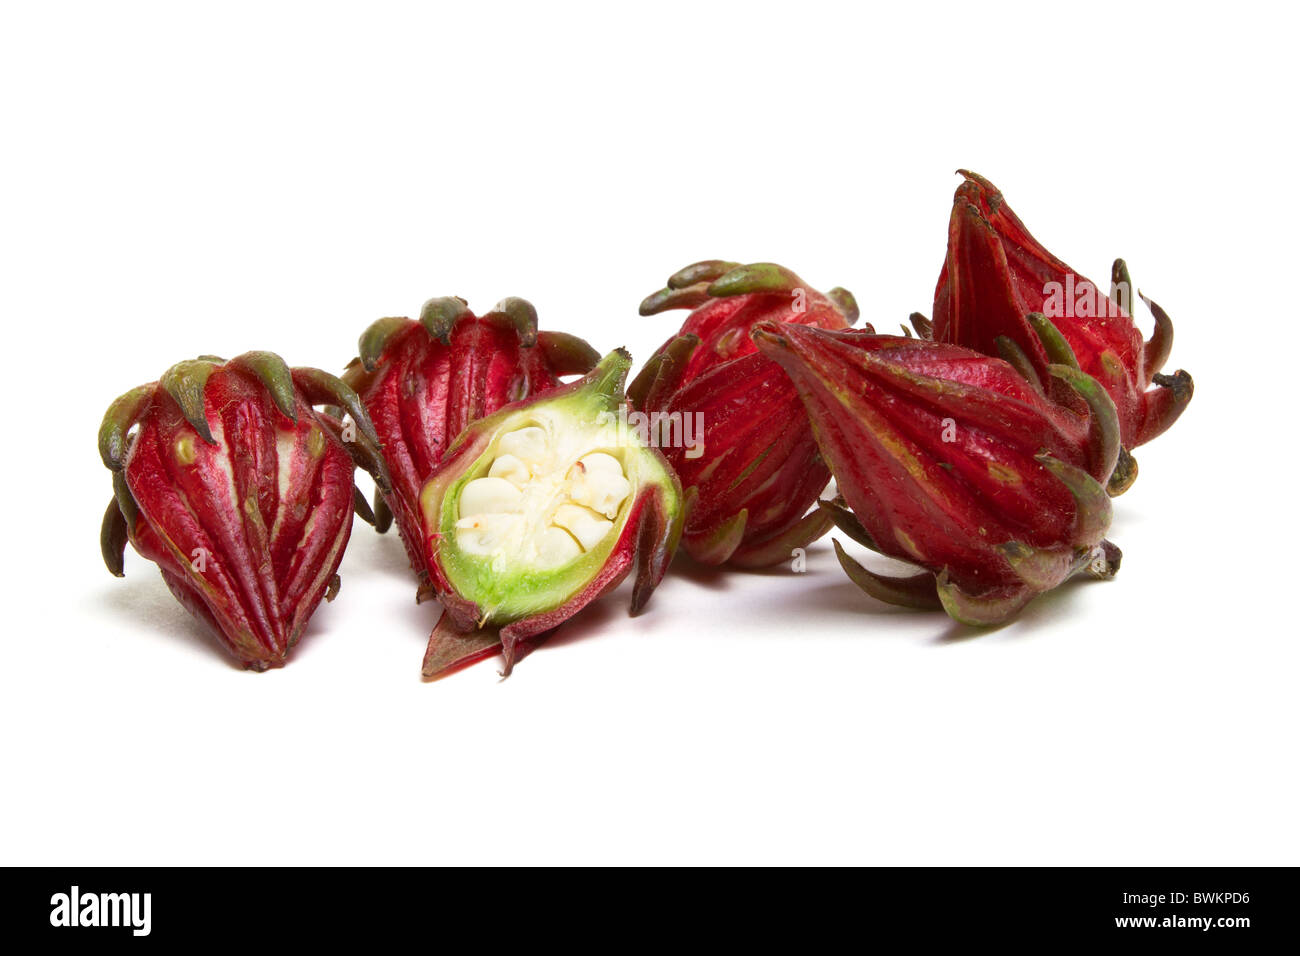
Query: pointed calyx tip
1054, 343
185, 383
689, 297
376, 337
1180, 383
271, 370
440, 314
610, 373
846, 303
755, 277
768, 335
1105, 417
118, 420
705, 271
520, 314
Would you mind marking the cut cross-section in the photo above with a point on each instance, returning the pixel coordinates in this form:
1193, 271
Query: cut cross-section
539, 509
539, 505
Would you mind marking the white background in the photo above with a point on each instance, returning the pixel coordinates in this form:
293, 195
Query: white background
178, 181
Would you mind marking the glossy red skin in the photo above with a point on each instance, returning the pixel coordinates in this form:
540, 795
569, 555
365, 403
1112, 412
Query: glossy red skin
723, 325
995, 273
950, 507
750, 408
424, 392
267, 566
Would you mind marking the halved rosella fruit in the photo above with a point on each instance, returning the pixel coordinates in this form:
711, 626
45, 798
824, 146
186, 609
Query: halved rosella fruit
539, 509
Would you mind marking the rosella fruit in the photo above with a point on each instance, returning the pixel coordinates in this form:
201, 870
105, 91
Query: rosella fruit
955, 462
539, 509
424, 381
228, 479
996, 273
728, 420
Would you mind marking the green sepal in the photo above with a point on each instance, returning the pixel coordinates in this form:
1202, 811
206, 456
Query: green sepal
848, 522
660, 376
1054, 343
846, 303
983, 610
185, 382
376, 337
383, 514
322, 388
1015, 356
690, 297
361, 506
518, 314
705, 271
756, 277
1125, 473
118, 420
1092, 503
916, 591
567, 354
1105, 418
1119, 278
1155, 351
113, 535
440, 314
273, 373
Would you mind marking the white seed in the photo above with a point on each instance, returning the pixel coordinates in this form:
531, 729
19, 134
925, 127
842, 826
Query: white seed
527, 444
556, 547
537, 506
483, 535
511, 469
599, 463
488, 496
597, 488
583, 523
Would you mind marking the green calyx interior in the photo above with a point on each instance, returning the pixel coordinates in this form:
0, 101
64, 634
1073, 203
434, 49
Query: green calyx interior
537, 514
